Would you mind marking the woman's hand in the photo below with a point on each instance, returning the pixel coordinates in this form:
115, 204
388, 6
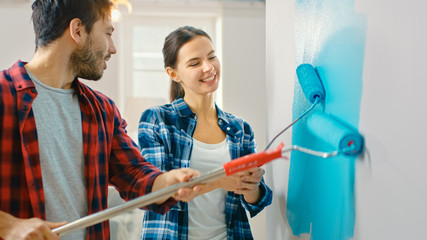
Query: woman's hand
176, 176
246, 183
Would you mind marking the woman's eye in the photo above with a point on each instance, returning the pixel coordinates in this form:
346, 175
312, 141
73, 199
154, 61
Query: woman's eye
213, 57
194, 64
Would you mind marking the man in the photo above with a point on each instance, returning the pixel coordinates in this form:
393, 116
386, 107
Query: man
62, 143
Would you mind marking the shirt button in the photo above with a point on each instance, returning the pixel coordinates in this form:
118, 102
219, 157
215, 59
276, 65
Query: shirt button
33, 90
228, 128
25, 108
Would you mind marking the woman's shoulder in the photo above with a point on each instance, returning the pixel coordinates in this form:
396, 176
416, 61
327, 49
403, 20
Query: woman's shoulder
236, 120
231, 117
157, 113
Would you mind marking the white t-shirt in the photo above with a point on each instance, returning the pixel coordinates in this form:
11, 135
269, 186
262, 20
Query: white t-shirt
206, 213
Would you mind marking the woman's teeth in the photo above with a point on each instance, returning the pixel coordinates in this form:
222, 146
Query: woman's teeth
209, 79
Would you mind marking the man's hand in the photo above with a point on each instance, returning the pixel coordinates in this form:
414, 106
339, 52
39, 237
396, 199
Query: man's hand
176, 176
32, 228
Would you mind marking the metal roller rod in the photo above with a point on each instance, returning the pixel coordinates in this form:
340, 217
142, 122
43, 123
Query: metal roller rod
316, 101
311, 152
137, 203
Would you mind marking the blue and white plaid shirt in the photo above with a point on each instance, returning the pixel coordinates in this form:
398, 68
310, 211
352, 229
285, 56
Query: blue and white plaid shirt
165, 139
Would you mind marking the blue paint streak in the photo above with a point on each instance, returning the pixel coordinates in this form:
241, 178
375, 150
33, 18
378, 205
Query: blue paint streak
321, 191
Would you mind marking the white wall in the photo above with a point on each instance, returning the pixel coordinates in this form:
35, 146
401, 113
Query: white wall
17, 33
390, 181
18, 43
243, 70
243, 65
280, 72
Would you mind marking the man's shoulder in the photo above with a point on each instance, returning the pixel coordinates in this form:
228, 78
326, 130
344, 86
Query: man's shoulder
16, 70
92, 94
15, 76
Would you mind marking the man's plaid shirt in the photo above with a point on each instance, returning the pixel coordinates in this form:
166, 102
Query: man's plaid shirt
110, 155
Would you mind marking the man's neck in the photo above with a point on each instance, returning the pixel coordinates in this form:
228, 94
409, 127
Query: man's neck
50, 66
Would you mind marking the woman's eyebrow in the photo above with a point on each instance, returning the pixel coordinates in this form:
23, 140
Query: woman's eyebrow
196, 58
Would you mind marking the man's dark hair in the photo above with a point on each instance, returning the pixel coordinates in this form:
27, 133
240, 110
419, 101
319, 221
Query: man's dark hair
52, 17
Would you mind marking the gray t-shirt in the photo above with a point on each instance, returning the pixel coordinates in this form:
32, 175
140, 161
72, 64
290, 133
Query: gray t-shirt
59, 129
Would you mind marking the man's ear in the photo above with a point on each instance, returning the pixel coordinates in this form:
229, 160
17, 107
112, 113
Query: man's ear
77, 30
173, 74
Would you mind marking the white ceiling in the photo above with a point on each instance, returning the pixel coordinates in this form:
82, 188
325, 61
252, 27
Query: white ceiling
14, 1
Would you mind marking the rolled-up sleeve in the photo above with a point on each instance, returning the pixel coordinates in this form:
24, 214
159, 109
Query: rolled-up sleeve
130, 173
266, 196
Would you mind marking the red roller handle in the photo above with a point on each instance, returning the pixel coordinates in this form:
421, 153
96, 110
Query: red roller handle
252, 160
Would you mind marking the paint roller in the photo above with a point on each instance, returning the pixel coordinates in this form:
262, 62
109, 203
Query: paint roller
342, 137
321, 126
237, 165
240, 164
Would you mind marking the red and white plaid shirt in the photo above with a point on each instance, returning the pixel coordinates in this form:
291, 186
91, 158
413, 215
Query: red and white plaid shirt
111, 157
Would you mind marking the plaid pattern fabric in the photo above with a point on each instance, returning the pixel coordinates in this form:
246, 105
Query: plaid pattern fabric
165, 139
110, 155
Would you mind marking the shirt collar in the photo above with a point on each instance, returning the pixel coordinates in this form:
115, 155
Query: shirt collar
221, 115
184, 110
21, 79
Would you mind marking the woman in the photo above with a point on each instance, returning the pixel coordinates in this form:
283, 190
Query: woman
193, 132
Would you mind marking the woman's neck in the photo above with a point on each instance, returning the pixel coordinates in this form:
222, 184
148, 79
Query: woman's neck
203, 107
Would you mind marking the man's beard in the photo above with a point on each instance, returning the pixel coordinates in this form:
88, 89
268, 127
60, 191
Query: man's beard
84, 62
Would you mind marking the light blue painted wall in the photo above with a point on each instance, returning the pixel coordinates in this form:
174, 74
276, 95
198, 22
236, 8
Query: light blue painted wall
330, 36
389, 178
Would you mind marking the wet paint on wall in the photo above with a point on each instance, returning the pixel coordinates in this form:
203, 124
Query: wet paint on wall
331, 36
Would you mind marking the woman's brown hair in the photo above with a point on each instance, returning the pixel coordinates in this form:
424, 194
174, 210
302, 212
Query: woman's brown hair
173, 43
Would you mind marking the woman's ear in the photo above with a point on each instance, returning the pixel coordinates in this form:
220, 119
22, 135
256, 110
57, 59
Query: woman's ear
172, 74
76, 30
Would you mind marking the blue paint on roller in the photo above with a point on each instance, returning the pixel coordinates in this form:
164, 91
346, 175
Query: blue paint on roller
310, 82
339, 135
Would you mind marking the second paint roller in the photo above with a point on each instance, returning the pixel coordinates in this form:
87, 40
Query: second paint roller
335, 132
